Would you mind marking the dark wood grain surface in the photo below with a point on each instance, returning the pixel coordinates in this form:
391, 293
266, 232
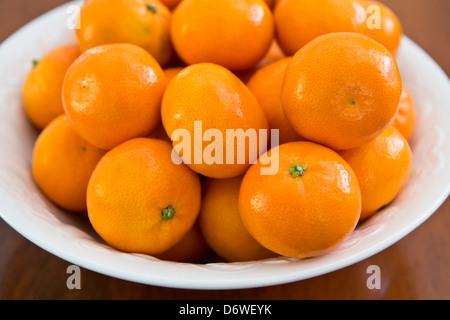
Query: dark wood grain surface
416, 267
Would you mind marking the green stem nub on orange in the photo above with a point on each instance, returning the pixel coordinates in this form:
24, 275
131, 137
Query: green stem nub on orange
297, 170
35, 63
167, 213
151, 8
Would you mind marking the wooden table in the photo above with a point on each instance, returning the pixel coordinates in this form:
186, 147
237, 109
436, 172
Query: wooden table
417, 267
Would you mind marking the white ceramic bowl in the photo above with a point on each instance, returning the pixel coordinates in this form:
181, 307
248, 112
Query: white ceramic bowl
24, 207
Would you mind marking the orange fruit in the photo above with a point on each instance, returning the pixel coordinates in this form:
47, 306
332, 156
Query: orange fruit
62, 164
298, 22
171, 4
266, 85
222, 226
172, 72
192, 248
274, 54
41, 93
235, 34
139, 201
341, 90
405, 120
206, 105
382, 166
310, 206
113, 93
145, 23
390, 30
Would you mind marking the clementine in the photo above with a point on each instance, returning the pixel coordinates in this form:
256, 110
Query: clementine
172, 72
145, 23
298, 22
235, 34
405, 120
306, 209
139, 201
41, 92
266, 85
62, 164
382, 166
113, 93
222, 226
274, 54
341, 90
383, 25
192, 248
212, 118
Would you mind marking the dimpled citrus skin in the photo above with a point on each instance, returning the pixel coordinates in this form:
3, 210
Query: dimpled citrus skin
341, 90
41, 92
233, 33
145, 23
301, 216
382, 166
113, 93
130, 188
405, 120
63, 163
266, 85
222, 226
298, 22
390, 31
213, 95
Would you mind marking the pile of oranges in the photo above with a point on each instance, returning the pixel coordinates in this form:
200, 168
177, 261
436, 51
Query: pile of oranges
319, 76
